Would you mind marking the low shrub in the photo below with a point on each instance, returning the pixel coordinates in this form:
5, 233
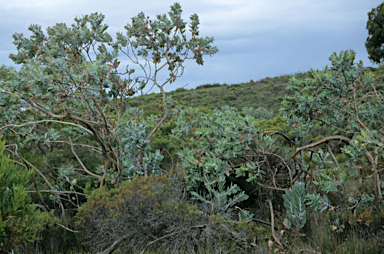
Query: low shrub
155, 213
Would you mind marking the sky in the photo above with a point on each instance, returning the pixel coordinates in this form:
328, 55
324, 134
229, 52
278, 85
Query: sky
255, 38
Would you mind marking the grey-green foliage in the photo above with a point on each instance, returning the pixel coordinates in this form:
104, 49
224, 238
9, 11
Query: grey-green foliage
187, 121
74, 87
222, 143
163, 32
258, 113
328, 178
136, 155
372, 141
328, 96
349, 101
319, 202
294, 202
220, 197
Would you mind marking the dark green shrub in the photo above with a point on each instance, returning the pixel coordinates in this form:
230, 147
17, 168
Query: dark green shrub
20, 222
208, 86
156, 207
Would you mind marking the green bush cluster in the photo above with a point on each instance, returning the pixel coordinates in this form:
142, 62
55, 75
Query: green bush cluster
20, 221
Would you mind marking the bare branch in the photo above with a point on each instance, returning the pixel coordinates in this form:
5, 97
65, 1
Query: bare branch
81, 163
42, 121
338, 137
333, 156
67, 228
253, 219
272, 188
60, 192
82, 145
164, 117
39, 194
273, 226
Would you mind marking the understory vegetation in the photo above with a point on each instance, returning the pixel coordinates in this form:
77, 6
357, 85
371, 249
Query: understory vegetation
291, 164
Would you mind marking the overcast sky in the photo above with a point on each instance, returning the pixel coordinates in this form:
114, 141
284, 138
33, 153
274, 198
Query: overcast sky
255, 38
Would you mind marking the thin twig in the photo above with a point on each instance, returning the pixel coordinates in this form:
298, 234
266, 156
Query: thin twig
273, 226
39, 194
333, 156
158, 239
165, 115
307, 250
42, 121
115, 243
272, 188
169, 156
67, 228
253, 219
81, 163
60, 192
280, 133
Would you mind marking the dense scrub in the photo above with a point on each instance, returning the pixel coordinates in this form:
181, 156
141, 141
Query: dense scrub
286, 164
156, 213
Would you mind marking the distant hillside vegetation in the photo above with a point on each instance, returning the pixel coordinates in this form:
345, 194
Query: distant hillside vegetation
267, 93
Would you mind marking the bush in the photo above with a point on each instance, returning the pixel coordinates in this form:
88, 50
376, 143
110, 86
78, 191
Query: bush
208, 86
154, 213
258, 113
19, 221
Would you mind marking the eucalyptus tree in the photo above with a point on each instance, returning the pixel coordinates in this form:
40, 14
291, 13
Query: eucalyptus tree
72, 87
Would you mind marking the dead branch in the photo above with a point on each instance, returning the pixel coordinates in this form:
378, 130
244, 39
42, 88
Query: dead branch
333, 156
70, 230
121, 239
41, 207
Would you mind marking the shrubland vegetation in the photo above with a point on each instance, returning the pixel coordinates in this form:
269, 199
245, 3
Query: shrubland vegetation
267, 93
293, 167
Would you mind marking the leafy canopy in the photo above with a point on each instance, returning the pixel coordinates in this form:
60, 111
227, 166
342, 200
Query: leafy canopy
348, 100
375, 39
70, 87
